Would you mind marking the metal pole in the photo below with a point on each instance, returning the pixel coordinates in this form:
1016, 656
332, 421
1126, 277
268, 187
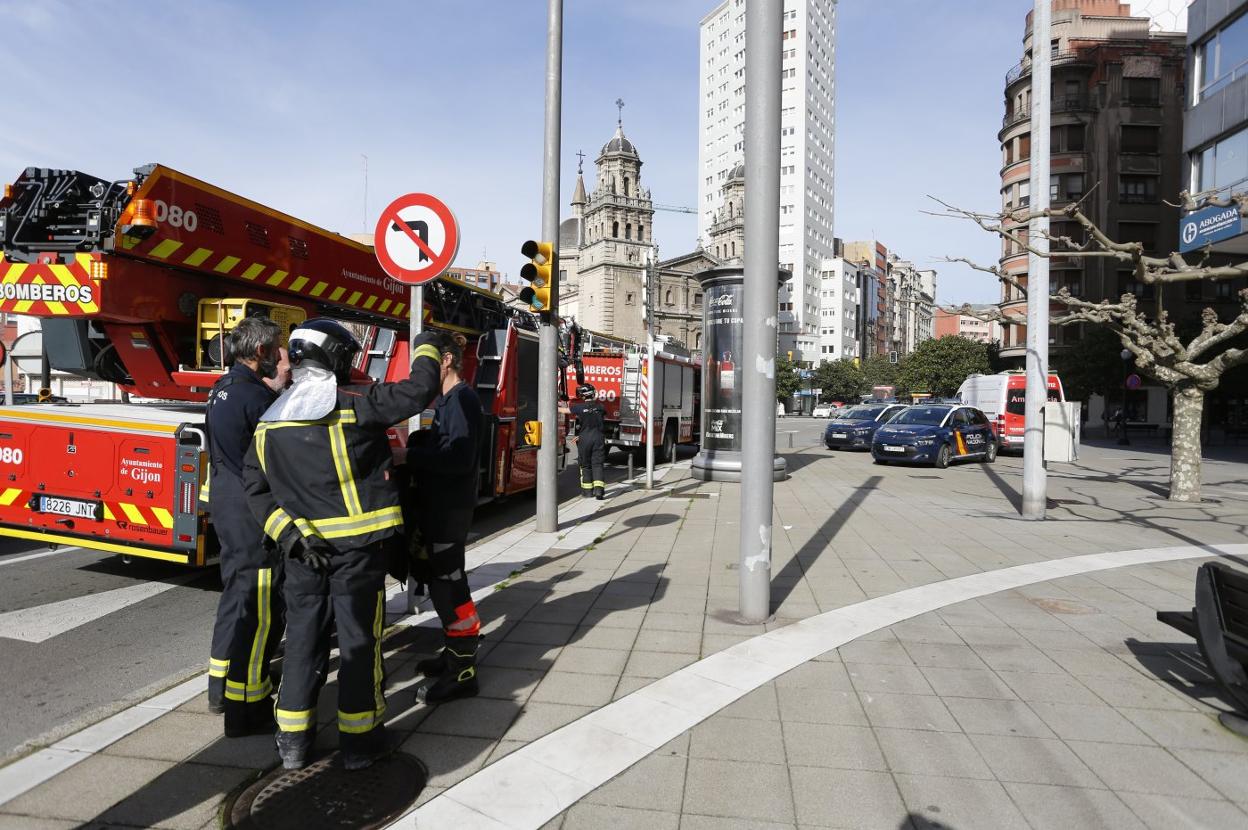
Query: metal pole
548, 354
763, 25
1035, 482
649, 379
416, 321
8, 376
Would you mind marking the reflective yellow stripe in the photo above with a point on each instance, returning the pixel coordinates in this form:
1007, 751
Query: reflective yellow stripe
254, 270
165, 248
218, 668
398, 309
298, 284
9, 496
319, 289
248, 692
276, 278
355, 297
294, 721
339, 526
277, 521
341, 416
384, 305
204, 491
198, 257
226, 265
260, 447
342, 464
336, 294
163, 516
428, 350
133, 514
379, 694
305, 527
255, 666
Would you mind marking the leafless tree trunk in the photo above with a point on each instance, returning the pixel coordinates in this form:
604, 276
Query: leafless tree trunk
1189, 404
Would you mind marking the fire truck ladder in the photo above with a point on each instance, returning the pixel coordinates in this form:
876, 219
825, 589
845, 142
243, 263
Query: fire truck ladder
632, 388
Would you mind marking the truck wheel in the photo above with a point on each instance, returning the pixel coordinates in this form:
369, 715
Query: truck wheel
942, 457
668, 449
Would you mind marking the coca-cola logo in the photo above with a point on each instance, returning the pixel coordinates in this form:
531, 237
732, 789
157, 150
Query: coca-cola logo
723, 301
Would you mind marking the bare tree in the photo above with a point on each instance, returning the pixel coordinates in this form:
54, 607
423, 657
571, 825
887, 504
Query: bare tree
1189, 369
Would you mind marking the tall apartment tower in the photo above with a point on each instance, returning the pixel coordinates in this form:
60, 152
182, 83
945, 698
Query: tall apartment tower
806, 140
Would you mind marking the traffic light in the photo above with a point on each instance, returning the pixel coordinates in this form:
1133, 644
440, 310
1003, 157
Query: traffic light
538, 274
533, 433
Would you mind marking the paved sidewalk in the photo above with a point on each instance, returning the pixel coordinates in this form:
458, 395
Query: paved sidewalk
1050, 702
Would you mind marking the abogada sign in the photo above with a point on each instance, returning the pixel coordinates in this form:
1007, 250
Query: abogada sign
1212, 224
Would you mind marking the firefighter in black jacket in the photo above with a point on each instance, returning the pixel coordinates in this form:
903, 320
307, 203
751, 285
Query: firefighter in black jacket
444, 467
320, 478
591, 447
249, 614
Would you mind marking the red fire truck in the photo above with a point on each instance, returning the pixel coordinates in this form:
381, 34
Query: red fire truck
618, 371
136, 282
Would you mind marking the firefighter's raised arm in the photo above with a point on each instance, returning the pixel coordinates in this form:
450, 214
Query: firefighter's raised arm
386, 404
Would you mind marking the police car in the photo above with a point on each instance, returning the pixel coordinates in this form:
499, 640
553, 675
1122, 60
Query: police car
935, 434
852, 428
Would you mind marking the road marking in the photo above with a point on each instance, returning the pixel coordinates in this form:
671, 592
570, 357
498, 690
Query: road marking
43, 622
541, 779
39, 555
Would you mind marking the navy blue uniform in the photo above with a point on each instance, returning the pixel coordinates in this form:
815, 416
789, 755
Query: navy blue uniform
591, 445
444, 467
248, 625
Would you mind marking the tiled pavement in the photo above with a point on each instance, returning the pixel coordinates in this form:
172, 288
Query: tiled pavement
1063, 704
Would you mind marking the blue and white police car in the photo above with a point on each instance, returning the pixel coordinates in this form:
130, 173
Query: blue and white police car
854, 427
935, 434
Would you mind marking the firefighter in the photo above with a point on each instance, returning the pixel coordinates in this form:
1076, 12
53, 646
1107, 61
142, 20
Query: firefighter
444, 468
591, 446
248, 625
320, 478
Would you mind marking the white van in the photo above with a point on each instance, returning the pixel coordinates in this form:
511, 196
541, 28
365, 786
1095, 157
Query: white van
1002, 397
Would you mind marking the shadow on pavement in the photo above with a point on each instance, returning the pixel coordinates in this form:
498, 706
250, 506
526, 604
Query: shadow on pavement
797, 460
914, 821
459, 734
1182, 667
783, 582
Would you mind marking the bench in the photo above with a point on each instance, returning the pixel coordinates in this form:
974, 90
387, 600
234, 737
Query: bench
1219, 624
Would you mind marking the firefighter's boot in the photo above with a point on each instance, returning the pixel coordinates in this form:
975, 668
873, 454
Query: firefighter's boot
460, 677
434, 666
600, 493
295, 748
362, 754
243, 719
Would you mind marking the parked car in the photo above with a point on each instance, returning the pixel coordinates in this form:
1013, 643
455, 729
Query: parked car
823, 410
935, 434
853, 427
1003, 398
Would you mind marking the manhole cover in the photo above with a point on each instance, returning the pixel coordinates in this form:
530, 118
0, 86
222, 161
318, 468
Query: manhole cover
1061, 606
326, 796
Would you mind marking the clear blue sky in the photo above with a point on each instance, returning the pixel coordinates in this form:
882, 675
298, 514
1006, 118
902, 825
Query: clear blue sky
278, 100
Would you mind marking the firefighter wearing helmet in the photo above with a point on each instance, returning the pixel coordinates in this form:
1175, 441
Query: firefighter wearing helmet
591, 446
320, 480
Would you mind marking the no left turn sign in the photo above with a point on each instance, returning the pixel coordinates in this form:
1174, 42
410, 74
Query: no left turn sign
416, 238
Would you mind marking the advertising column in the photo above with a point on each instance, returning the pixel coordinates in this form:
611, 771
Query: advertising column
719, 458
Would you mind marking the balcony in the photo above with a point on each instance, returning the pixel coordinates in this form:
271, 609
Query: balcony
1023, 67
1069, 103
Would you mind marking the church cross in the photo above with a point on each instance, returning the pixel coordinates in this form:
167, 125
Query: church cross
580, 162
619, 103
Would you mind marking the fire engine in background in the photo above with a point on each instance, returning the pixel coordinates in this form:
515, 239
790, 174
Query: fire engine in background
137, 282
618, 370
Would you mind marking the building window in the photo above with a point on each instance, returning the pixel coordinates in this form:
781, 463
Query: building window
697, 300
1024, 147
1221, 164
628, 231
1141, 92
628, 298
1067, 138
1144, 233
1139, 139
1024, 194
1137, 189
641, 233
1223, 57
1065, 187
615, 230
626, 185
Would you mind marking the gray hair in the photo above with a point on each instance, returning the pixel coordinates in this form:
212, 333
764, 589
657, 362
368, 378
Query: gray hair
250, 334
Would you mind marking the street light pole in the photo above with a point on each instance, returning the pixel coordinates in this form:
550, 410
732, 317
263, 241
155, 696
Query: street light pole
1035, 476
763, 26
548, 343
